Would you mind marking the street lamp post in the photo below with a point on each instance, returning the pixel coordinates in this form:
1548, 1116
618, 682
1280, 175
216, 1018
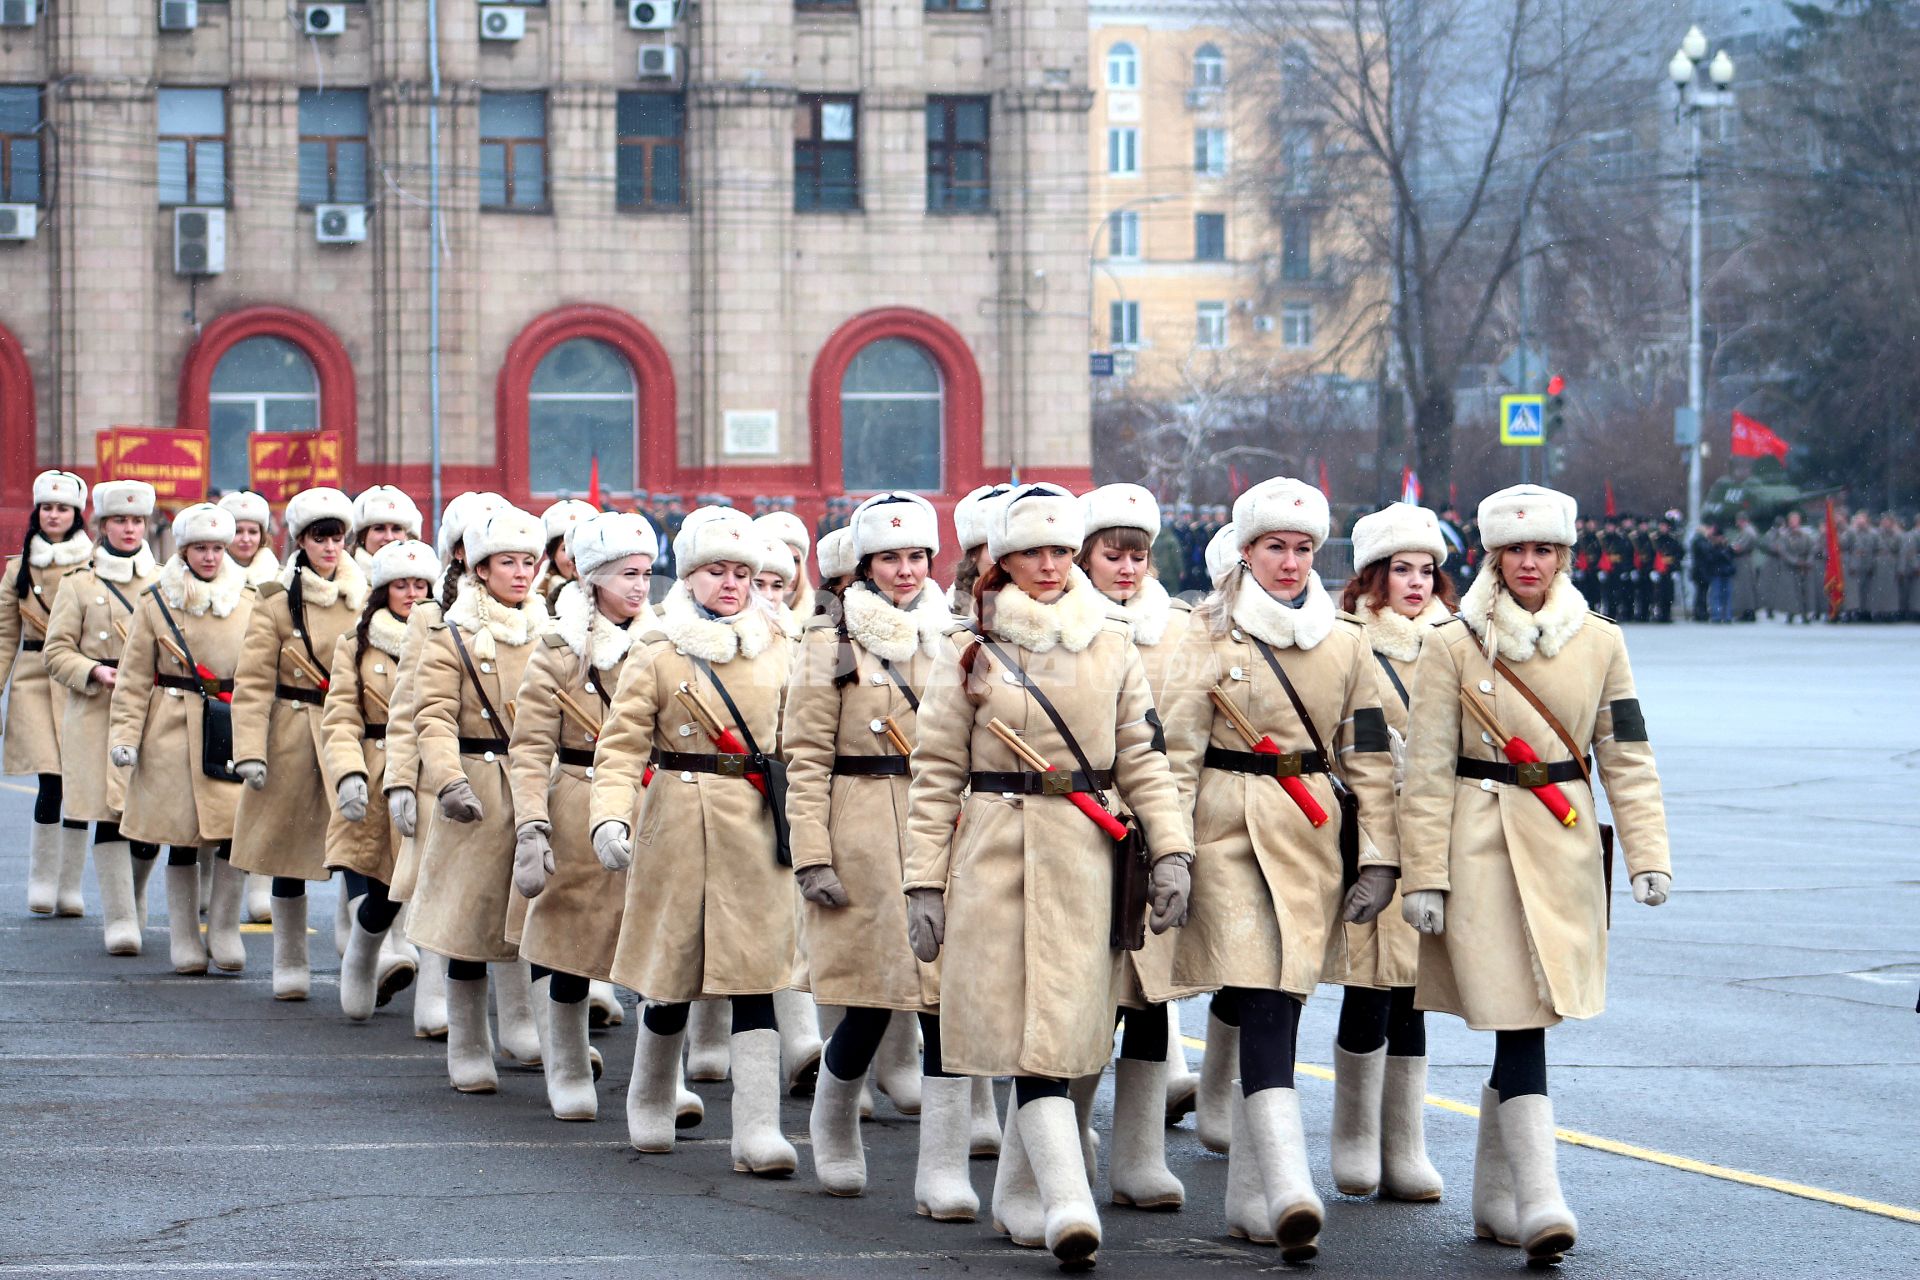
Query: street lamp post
1683, 70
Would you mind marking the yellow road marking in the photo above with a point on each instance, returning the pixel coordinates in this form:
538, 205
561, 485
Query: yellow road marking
1686, 1164
21, 787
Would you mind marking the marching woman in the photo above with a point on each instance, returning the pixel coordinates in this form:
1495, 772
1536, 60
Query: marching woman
56, 543
381, 515
710, 905
1117, 557
559, 520
1510, 887
1019, 898
970, 528
1276, 699
468, 674
834, 554
849, 732
177, 670
252, 531
790, 530
574, 903
1220, 1060
354, 722
277, 697
85, 637
1400, 593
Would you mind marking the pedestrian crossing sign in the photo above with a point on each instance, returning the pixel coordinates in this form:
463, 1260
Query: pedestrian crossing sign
1522, 419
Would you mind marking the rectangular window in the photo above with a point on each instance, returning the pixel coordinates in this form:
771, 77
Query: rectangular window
1210, 325
1123, 321
956, 6
333, 146
1209, 237
652, 130
20, 144
958, 155
1123, 152
513, 151
1210, 152
1296, 247
1296, 324
826, 152
192, 145
1123, 236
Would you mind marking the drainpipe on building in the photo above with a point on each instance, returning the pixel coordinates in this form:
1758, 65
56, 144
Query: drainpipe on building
433, 246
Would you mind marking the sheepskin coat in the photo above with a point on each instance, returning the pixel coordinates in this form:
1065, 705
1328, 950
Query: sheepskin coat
35, 703
88, 629
354, 723
403, 761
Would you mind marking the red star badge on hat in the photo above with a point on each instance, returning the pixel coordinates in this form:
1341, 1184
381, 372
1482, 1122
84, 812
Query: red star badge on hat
1519, 515
896, 522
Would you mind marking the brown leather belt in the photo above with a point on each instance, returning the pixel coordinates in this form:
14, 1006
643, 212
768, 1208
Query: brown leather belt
312, 697
1289, 764
1055, 782
1518, 775
869, 766
727, 766
189, 684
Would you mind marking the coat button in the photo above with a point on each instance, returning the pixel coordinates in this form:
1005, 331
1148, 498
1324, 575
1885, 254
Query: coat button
1008, 676
296, 633
686, 775
488, 757
1486, 737
486, 668
589, 773
590, 688
1237, 636
484, 715
379, 669
379, 744
99, 599
1238, 673
1486, 784
686, 731
103, 635
173, 693
1486, 686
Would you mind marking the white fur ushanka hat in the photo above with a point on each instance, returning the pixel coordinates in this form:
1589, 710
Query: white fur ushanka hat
1123, 506
1396, 528
1035, 515
244, 504
970, 515
1527, 513
202, 522
403, 558
310, 505
894, 522
834, 553
384, 504
712, 534
62, 487
1281, 505
506, 530
608, 536
122, 498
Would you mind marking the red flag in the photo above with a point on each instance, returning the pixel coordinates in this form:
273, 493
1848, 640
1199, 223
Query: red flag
1753, 439
1612, 510
593, 485
1325, 488
1235, 482
1836, 577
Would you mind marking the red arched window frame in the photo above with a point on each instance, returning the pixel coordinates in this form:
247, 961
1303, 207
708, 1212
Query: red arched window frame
18, 429
339, 406
656, 450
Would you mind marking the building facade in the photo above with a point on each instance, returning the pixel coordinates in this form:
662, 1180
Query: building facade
768, 246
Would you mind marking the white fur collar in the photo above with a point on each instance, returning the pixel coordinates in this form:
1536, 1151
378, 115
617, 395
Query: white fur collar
182, 590
387, 632
889, 631
347, 585
265, 567
580, 624
1394, 635
747, 633
123, 569
1280, 625
1497, 618
363, 558
1149, 611
491, 623
1071, 622
75, 550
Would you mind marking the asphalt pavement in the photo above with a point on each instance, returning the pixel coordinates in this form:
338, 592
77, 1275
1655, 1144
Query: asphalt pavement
1744, 1108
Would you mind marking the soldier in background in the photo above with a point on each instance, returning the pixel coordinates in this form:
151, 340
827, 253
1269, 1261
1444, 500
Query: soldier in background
1910, 571
1616, 569
1857, 545
1586, 559
1795, 545
1641, 536
1667, 551
1883, 593
1749, 561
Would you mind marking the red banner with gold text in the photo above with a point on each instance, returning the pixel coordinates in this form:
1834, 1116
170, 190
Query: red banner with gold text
279, 466
174, 462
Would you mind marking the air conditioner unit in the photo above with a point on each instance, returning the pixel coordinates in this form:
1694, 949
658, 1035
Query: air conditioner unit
19, 221
19, 13
1263, 324
324, 19
199, 241
651, 15
340, 223
179, 15
503, 24
659, 62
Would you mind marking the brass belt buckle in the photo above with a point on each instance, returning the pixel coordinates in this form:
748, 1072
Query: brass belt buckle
1287, 765
1056, 783
730, 766
1531, 774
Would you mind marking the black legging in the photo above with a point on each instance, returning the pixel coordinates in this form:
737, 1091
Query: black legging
377, 911
1143, 1037
563, 988
467, 970
1519, 1063
1225, 1006
289, 887
851, 1047
108, 832
1369, 1019
1269, 1036
750, 1013
46, 804
1031, 1088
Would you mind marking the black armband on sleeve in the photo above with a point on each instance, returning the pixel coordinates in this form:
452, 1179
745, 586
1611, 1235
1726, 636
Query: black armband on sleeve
1159, 742
1629, 725
1370, 730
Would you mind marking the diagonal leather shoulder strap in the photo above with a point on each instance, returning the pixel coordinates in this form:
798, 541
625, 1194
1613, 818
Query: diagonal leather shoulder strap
1299, 708
479, 690
740, 721
1046, 705
1553, 721
1399, 686
906, 690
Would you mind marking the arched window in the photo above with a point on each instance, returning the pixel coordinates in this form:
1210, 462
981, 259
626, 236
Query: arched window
582, 404
1209, 67
892, 406
260, 384
1123, 67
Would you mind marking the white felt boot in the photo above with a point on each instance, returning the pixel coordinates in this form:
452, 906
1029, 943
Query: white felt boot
342, 918
983, 1131
689, 1109
259, 899
43, 868
205, 857
1219, 1068
603, 1006
513, 1004
896, 1067
185, 946
1493, 1217
1182, 1084
1083, 1091
69, 900
430, 997
839, 1157
359, 970
540, 1005
1137, 1165
570, 1089
1017, 1211
1546, 1228
758, 1145
1405, 1171
291, 975
142, 873
652, 1089
113, 868
1247, 1215
708, 1026
1050, 1128
941, 1188
1280, 1148
800, 1044
1358, 1079
398, 966
469, 1037
223, 917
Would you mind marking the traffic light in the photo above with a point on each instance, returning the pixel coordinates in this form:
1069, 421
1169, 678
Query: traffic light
1556, 405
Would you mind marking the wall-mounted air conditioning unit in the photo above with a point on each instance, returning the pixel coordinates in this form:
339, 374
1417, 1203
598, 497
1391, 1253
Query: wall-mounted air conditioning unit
651, 15
19, 221
179, 15
659, 62
199, 241
19, 13
324, 19
502, 24
1263, 324
340, 223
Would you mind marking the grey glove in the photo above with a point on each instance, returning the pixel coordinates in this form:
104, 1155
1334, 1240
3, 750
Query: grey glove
1169, 885
532, 858
252, 772
926, 922
821, 887
1425, 910
1369, 896
124, 757
351, 797
613, 845
1651, 887
458, 802
404, 809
